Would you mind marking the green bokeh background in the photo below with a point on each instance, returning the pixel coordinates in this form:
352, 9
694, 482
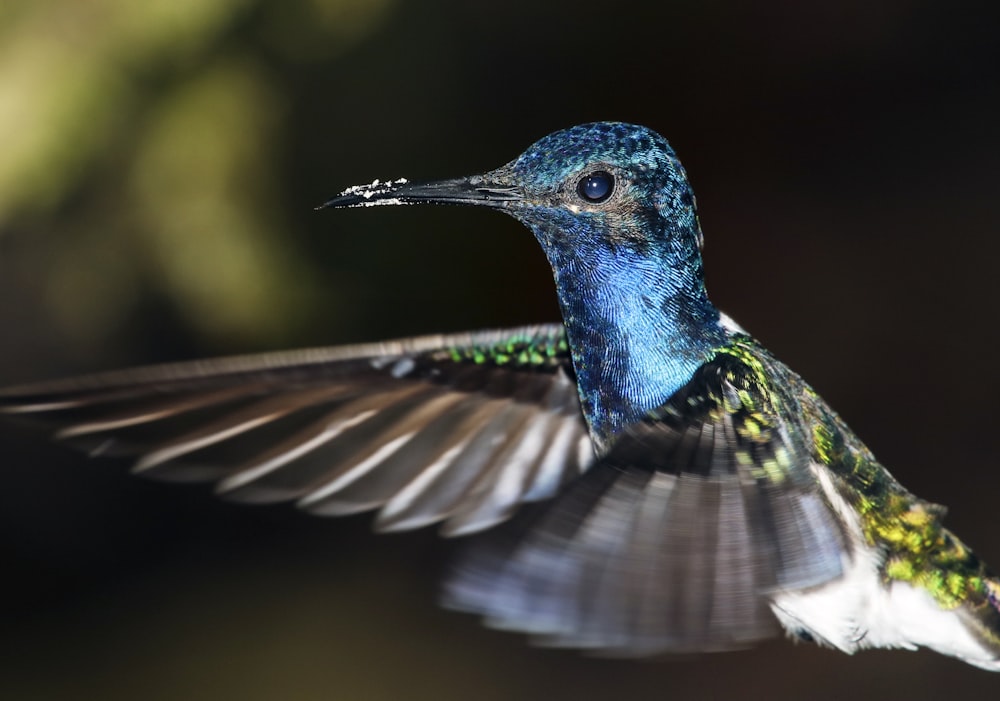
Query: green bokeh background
159, 168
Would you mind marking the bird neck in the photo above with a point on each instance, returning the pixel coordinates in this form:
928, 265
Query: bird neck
638, 327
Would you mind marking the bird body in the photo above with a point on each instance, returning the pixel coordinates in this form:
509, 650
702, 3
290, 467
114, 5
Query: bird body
667, 484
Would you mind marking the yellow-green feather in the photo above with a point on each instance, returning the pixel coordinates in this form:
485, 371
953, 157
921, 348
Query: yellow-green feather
528, 351
907, 531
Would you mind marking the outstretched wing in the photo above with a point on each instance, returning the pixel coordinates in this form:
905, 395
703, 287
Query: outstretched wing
676, 539
460, 428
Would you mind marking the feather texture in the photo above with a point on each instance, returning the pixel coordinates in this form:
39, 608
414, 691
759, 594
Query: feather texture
676, 539
460, 429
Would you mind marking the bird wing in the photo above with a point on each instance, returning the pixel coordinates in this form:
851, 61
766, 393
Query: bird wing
460, 428
678, 537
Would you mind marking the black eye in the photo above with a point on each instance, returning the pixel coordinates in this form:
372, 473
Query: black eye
597, 186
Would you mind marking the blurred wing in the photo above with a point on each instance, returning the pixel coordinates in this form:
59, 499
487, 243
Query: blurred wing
459, 428
676, 539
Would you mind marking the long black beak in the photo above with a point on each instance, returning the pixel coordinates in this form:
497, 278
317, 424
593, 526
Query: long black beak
475, 190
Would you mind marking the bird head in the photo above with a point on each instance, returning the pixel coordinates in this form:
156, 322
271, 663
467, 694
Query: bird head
604, 186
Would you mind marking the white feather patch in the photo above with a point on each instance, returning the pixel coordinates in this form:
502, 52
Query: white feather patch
859, 610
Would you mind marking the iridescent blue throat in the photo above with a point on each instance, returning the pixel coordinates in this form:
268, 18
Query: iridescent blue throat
639, 326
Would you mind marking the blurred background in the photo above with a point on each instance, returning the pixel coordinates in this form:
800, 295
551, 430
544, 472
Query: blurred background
160, 165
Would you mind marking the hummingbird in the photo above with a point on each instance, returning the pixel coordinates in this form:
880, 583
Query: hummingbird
639, 479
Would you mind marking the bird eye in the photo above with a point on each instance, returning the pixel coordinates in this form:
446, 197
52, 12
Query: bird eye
596, 187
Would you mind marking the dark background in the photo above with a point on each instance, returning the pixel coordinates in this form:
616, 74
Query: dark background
161, 161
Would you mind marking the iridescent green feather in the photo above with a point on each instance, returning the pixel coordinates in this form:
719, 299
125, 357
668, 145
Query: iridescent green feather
907, 530
536, 350
918, 548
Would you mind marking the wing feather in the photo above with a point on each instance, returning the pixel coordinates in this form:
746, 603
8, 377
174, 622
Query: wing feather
674, 540
460, 429
677, 538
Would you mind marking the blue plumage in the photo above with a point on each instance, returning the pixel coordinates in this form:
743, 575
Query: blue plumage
627, 270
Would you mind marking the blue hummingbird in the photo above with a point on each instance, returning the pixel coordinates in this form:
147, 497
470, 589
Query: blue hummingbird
667, 484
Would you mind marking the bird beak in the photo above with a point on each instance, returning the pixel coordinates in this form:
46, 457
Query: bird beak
474, 190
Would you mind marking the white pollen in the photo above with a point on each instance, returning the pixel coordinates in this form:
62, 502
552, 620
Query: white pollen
374, 188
